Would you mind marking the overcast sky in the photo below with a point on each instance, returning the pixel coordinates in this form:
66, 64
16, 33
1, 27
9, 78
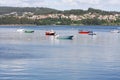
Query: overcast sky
109, 5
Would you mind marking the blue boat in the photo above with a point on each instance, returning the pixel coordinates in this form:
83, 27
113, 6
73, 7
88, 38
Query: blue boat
92, 33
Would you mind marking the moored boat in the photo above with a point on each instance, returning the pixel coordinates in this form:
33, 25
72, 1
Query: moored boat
115, 31
64, 37
50, 32
29, 31
84, 32
92, 33
20, 30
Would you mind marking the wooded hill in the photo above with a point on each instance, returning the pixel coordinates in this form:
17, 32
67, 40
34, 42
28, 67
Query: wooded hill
88, 17
43, 10
20, 10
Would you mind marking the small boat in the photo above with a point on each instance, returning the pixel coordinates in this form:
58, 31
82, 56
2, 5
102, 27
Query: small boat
115, 31
29, 31
84, 32
64, 37
20, 30
91, 33
50, 32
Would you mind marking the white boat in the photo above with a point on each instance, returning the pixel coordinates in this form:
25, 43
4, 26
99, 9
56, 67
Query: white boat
64, 37
20, 30
115, 31
92, 33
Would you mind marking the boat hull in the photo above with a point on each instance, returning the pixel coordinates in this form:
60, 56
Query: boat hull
48, 33
65, 37
29, 31
20, 30
115, 31
91, 34
84, 32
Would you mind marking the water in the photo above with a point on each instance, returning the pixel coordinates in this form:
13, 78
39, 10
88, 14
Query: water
25, 56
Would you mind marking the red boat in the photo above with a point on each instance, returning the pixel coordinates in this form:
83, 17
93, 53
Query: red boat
84, 32
50, 32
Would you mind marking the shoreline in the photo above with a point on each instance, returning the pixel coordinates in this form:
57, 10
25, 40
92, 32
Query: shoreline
17, 25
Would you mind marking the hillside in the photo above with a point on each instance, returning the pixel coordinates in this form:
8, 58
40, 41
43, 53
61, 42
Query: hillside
48, 16
20, 10
42, 10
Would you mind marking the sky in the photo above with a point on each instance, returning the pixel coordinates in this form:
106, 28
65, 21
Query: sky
108, 5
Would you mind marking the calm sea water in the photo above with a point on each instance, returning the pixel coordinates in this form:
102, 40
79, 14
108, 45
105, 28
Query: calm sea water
34, 56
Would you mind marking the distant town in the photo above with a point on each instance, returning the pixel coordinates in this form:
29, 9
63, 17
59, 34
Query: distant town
47, 16
73, 17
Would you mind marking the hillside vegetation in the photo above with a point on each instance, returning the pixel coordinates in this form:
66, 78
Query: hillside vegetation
42, 10
48, 16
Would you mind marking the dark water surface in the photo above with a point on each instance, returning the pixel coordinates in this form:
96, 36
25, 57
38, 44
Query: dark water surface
34, 56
